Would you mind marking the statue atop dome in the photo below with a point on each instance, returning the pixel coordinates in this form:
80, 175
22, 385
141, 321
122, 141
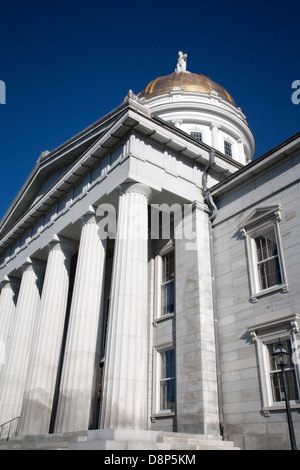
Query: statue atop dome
181, 63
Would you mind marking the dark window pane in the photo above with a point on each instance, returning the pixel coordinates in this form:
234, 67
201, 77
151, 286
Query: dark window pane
167, 299
167, 382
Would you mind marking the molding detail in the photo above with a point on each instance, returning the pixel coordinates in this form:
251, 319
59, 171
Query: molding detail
261, 214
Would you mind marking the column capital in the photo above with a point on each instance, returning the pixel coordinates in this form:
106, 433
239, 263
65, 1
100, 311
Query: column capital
9, 280
215, 125
140, 188
32, 264
89, 216
61, 243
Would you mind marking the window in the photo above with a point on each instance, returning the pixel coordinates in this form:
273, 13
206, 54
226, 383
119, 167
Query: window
266, 336
227, 148
268, 266
167, 284
264, 252
167, 380
197, 135
274, 374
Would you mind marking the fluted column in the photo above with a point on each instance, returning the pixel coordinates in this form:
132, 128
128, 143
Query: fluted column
125, 370
9, 290
77, 395
14, 376
42, 376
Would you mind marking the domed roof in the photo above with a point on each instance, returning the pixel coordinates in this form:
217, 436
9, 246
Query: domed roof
186, 81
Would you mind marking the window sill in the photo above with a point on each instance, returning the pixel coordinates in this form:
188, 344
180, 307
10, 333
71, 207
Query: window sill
161, 415
282, 287
267, 410
162, 318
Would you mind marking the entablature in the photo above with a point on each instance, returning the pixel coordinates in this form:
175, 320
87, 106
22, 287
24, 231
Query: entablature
115, 142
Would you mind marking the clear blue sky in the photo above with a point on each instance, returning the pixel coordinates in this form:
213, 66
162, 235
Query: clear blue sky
66, 63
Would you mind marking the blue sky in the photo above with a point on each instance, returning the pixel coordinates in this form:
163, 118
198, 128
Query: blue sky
66, 63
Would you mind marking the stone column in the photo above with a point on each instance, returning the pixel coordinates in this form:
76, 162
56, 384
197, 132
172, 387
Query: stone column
196, 375
78, 389
8, 298
14, 376
42, 376
125, 370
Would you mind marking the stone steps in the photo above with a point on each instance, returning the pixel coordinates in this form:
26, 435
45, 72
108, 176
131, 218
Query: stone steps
118, 439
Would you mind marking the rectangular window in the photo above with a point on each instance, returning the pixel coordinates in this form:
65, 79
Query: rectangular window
264, 251
266, 336
168, 283
197, 135
275, 375
167, 380
227, 148
268, 266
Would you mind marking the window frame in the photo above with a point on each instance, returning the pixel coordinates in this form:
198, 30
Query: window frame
165, 379
277, 371
158, 316
271, 332
266, 258
157, 411
195, 135
228, 151
262, 220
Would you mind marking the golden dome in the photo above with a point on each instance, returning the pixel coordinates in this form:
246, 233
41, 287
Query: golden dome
187, 81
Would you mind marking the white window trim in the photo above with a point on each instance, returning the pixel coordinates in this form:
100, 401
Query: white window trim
156, 411
269, 332
258, 222
158, 317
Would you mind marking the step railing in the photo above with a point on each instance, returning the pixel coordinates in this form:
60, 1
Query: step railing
15, 422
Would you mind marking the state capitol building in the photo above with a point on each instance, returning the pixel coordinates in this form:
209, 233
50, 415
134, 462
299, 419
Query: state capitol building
149, 269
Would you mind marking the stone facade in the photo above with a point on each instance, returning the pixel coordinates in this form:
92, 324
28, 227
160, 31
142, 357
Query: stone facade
270, 181
129, 298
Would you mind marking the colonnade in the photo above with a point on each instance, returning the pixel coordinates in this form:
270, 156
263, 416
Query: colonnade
35, 378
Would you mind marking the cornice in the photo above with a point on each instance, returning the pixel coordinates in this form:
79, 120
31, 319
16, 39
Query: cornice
132, 119
287, 149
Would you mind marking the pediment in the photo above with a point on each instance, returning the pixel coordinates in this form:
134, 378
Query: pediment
261, 214
51, 166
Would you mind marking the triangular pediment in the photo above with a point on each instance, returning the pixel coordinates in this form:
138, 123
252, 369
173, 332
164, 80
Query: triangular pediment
51, 166
260, 214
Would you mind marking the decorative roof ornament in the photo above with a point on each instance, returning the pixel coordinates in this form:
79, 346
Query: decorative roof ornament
131, 96
181, 63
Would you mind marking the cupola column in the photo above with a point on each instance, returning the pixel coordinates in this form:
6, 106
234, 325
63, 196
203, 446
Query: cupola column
77, 395
214, 135
241, 151
125, 369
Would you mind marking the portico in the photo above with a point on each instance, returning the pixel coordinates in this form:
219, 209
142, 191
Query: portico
108, 323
